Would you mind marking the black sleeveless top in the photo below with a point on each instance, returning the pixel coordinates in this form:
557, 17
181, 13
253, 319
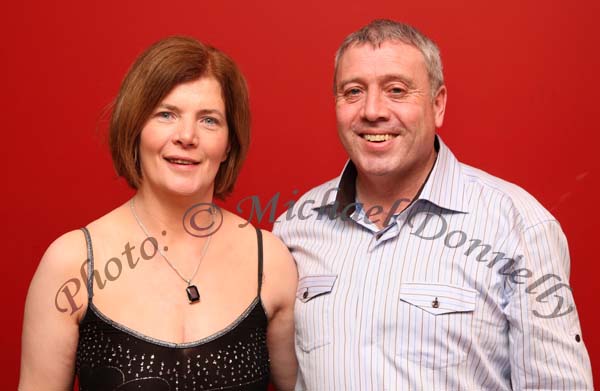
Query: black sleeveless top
112, 357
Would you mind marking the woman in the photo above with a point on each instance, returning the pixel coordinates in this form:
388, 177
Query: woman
190, 306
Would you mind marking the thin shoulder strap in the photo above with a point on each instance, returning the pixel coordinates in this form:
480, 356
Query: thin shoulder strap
90, 265
260, 259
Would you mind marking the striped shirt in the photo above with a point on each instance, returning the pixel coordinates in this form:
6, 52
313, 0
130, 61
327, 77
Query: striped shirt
466, 289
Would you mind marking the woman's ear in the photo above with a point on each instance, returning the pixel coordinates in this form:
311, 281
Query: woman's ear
226, 155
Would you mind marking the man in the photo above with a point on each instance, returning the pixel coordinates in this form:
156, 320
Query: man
416, 271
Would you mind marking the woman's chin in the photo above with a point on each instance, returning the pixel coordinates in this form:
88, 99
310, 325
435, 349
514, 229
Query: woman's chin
180, 189
195, 192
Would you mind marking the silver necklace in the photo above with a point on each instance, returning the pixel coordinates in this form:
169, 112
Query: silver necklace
191, 290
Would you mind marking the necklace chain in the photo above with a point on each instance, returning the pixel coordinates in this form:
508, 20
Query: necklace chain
188, 281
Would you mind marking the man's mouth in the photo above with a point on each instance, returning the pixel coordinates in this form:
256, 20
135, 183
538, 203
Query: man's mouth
378, 138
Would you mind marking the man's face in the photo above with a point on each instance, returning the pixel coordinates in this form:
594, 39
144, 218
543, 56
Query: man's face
386, 112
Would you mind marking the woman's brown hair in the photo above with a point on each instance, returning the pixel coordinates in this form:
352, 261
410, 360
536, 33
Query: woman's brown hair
164, 65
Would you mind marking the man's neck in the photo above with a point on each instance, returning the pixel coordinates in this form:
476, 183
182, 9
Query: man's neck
392, 193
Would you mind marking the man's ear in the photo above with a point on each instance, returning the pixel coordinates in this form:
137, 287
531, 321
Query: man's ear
439, 105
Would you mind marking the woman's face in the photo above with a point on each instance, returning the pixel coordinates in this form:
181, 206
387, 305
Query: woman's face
185, 140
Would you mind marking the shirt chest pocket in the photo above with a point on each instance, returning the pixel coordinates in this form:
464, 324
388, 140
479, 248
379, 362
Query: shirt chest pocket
437, 323
313, 311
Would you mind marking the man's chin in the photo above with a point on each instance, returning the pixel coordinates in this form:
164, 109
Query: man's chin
376, 168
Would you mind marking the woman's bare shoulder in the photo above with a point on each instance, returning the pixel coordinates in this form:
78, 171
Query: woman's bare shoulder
56, 286
70, 249
65, 253
62, 272
280, 276
106, 224
276, 247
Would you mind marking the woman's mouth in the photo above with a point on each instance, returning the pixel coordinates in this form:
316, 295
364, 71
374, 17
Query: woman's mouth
182, 161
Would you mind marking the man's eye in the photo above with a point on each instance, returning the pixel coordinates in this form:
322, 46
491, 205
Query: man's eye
396, 90
352, 93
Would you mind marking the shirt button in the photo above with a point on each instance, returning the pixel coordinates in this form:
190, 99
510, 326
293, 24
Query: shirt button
577, 338
435, 303
305, 294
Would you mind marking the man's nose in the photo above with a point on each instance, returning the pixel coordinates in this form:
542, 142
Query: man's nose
375, 107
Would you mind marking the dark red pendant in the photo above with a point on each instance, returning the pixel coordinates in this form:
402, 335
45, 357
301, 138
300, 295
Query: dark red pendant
192, 293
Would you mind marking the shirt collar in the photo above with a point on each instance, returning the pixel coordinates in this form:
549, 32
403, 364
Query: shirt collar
444, 186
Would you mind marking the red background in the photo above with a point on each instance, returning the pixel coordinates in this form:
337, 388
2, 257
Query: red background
523, 91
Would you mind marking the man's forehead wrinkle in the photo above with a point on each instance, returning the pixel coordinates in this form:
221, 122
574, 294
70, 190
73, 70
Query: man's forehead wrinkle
387, 53
377, 70
374, 46
379, 79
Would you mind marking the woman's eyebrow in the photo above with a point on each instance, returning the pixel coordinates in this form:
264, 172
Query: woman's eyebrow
168, 107
176, 109
211, 111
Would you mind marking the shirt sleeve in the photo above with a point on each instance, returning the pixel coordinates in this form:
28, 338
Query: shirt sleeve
546, 345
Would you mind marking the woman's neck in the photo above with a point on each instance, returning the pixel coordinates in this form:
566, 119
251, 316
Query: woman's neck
159, 212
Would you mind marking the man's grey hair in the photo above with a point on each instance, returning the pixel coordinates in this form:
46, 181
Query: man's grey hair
382, 30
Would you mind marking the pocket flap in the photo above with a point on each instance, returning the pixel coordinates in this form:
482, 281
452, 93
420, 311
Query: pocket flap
310, 287
437, 298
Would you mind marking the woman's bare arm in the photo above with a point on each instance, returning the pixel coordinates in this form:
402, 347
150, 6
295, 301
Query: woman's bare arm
279, 290
56, 299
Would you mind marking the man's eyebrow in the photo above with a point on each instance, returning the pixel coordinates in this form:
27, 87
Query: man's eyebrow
397, 77
384, 79
352, 80
342, 83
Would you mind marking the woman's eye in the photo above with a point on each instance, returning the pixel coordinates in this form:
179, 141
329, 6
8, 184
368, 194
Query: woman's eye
164, 115
210, 121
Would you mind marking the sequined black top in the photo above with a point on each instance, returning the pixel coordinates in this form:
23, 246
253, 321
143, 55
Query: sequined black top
111, 356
